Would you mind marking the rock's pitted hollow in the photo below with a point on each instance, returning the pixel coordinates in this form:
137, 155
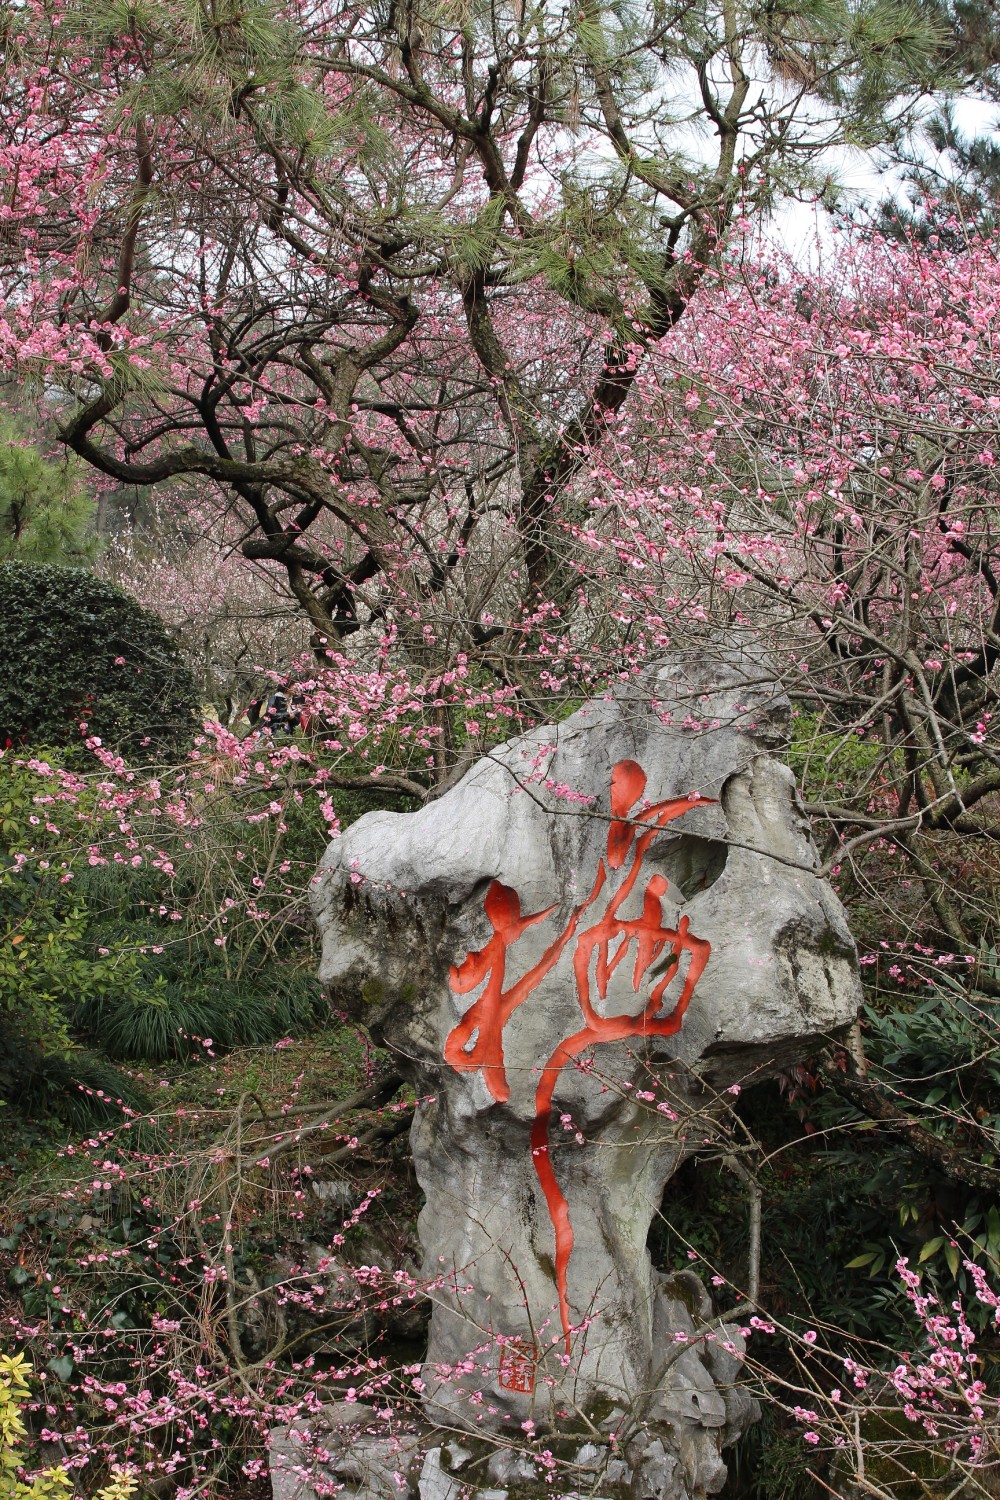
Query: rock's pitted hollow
574, 953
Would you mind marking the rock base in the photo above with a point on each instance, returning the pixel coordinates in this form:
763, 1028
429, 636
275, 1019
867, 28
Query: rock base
349, 1450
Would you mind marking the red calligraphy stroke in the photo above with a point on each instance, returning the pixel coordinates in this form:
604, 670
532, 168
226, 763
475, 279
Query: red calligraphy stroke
466, 1051
476, 1043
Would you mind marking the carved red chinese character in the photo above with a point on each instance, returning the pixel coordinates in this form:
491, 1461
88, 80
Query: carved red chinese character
476, 1043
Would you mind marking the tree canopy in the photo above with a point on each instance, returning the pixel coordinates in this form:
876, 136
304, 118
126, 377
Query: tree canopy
383, 279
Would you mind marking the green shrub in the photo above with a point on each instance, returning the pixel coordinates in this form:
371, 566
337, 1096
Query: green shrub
770, 1462
50, 965
85, 651
90, 951
938, 1056
46, 968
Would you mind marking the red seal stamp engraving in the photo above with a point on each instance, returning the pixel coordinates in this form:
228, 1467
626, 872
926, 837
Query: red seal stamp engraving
518, 1358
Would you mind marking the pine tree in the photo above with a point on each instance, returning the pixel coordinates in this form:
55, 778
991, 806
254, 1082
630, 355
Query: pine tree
46, 514
951, 176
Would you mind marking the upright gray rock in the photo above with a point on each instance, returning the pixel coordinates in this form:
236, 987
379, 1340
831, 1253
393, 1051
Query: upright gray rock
576, 951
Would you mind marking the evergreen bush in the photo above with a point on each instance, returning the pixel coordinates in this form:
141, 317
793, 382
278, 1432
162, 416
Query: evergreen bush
79, 650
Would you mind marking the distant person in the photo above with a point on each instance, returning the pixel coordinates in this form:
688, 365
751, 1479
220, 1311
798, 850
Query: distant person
273, 714
277, 714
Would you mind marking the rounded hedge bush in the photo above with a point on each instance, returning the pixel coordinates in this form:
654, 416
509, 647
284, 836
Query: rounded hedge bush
76, 649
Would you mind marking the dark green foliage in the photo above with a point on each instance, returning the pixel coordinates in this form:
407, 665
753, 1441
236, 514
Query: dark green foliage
843, 1198
945, 1049
78, 649
952, 186
257, 986
89, 959
78, 1087
770, 1462
175, 1016
818, 1209
941, 1058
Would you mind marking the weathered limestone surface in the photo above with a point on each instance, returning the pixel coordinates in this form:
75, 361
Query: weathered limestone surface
576, 951
352, 1452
